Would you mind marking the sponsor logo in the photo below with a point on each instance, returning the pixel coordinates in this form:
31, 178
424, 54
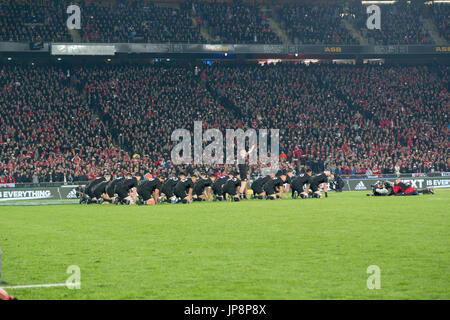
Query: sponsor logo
25, 195
442, 49
72, 194
360, 186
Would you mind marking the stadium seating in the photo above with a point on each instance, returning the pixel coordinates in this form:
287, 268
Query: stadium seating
133, 23
352, 119
47, 131
23, 21
440, 14
401, 23
309, 24
236, 22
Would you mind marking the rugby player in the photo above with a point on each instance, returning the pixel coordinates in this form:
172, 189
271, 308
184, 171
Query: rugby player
273, 188
217, 187
110, 190
202, 188
287, 183
257, 187
232, 186
318, 180
89, 196
184, 187
299, 183
148, 190
168, 188
126, 190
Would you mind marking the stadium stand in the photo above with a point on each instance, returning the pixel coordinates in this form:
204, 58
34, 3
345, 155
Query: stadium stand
349, 118
309, 24
441, 17
24, 21
401, 23
123, 22
236, 23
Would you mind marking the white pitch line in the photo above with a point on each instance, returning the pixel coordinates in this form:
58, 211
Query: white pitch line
39, 286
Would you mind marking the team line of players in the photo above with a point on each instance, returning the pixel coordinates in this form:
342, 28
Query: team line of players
186, 189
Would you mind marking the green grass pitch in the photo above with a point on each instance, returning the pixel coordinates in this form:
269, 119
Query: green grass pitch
288, 249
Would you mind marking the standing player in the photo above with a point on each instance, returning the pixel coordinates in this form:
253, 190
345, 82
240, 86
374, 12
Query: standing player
243, 170
318, 180
184, 187
148, 190
298, 184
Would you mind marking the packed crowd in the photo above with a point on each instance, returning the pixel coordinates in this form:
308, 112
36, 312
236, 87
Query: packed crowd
311, 24
71, 124
47, 131
143, 105
363, 120
130, 22
234, 22
440, 13
401, 23
20, 21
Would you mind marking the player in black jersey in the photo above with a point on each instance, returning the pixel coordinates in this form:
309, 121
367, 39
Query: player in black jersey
318, 180
287, 183
126, 190
274, 187
110, 190
232, 186
243, 170
148, 190
257, 186
99, 191
168, 188
184, 188
89, 196
202, 188
217, 188
300, 184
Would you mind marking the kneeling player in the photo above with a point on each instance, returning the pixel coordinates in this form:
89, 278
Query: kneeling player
126, 190
318, 180
202, 188
99, 191
184, 187
110, 190
257, 187
217, 187
299, 183
287, 183
89, 195
274, 187
232, 187
168, 187
148, 190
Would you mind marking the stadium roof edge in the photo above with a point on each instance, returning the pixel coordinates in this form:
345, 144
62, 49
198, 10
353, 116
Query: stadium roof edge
111, 49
